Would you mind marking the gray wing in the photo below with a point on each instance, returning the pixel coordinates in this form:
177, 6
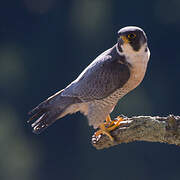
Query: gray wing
101, 78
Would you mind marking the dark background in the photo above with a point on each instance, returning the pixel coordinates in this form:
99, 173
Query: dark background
44, 45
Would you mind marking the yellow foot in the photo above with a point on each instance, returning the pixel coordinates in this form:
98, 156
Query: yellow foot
109, 126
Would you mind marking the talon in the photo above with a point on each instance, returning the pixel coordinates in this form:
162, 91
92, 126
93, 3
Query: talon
104, 131
109, 126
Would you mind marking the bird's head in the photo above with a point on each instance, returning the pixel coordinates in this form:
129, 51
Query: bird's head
131, 39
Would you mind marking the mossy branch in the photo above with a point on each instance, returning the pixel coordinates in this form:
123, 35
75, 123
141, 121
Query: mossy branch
142, 128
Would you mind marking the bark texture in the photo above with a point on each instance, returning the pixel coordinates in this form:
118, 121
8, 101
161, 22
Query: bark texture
142, 128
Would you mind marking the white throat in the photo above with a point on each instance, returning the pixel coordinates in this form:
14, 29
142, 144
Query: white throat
133, 57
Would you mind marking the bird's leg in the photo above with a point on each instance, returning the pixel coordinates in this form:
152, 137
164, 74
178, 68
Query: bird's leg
115, 123
109, 126
108, 122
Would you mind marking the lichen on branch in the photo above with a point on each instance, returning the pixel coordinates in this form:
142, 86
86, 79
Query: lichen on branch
142, 128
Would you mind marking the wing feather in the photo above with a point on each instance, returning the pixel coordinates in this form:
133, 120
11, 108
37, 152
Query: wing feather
102, 77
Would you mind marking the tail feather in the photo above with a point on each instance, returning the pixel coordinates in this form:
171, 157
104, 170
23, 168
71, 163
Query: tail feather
35, 114
47, 112
44, 121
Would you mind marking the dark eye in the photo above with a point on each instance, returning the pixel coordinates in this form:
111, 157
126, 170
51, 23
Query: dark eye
131, 36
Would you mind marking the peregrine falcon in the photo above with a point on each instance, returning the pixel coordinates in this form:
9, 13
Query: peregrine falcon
98, 88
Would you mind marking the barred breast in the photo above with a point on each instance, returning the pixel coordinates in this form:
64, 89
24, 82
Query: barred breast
99, 109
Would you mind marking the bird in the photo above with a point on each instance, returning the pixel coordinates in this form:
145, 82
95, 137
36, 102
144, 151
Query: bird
100, 86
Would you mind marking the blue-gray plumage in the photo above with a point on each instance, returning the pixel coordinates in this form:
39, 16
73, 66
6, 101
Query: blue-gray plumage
102, 77
99, 87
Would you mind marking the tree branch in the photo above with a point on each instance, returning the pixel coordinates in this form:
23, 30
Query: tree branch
142, 128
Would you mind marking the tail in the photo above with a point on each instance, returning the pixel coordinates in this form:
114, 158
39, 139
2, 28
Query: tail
49, 111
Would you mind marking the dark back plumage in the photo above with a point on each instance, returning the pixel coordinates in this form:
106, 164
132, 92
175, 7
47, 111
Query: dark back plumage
102, 77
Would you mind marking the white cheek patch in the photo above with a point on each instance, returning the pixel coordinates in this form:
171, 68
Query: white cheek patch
133, 56
127, 48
